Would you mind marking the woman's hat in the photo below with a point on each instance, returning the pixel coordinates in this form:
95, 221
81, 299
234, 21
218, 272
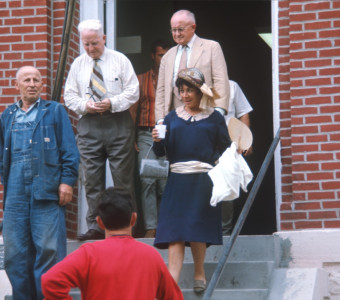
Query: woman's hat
240, 133
195, 77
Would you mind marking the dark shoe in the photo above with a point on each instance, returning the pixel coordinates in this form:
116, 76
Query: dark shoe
92, 234
151, 233
199, 286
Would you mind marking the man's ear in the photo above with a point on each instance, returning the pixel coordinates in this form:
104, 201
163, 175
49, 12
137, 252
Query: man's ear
100, 223
133, 219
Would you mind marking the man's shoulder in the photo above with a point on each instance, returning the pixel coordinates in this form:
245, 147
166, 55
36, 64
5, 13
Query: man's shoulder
206, 42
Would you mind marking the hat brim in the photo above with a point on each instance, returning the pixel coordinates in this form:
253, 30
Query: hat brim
240, 133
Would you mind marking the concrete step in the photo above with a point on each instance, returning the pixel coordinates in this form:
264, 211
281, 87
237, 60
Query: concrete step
236, 275
246, 248
223, 294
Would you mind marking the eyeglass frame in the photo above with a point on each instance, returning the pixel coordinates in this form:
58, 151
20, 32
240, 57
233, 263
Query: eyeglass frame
91, 94
179, 30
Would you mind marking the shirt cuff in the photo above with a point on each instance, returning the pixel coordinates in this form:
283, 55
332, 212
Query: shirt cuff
220, 110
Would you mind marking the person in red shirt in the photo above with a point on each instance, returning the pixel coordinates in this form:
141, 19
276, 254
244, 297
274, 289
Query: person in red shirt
118, 267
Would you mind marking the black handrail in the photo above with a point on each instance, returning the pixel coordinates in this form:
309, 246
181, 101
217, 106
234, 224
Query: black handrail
241, 219
67, 29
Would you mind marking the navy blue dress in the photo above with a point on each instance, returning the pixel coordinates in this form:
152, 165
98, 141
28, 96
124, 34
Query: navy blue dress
185, 211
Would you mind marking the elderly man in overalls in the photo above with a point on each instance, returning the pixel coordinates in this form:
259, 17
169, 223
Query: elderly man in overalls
38, 167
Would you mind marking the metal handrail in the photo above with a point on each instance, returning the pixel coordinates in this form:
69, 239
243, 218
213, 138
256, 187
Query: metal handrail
67, 30
241, 219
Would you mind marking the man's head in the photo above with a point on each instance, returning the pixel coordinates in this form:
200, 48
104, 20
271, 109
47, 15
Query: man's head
29, 84
158, 49
183, 26
92, 37
115, 209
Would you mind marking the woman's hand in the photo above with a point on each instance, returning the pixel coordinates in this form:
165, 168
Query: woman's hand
155, 135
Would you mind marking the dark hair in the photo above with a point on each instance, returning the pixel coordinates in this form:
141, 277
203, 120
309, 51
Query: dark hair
180, 81
115, 208
159, 43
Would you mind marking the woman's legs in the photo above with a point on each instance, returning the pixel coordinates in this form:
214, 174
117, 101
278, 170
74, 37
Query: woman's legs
176, 257
198, 253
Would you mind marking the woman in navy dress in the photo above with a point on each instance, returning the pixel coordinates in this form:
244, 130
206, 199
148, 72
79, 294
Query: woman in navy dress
196, 137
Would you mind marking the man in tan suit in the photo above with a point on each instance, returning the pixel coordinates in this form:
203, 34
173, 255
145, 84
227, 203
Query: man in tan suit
206, 55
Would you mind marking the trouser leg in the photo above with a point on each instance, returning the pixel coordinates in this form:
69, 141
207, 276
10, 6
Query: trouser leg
49, 237
227, 217
93, 160
119, 146
148, 185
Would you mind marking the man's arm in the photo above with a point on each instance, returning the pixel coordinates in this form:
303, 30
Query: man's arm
69, 273
160, 92
220, 77
69, 154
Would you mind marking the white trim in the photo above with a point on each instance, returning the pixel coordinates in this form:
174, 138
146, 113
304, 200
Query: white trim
276, 107
111, 17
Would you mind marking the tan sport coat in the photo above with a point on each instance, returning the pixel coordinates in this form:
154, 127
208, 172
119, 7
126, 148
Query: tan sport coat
207, 56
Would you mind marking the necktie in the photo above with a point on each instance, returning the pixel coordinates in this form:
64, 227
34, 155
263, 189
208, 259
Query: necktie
183, 61
182, 65
97, 84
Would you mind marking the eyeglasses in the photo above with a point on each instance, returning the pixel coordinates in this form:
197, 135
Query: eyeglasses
90, 94
179, 30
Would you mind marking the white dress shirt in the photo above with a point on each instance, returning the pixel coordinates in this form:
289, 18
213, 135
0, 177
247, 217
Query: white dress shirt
179, 55
238, 103
119, 77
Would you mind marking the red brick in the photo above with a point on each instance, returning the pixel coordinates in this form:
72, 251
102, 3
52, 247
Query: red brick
303, 36
329, 33
23, 29
320, 176
318, 100
13, 56
331, 185
317, 6
303, 73
35, 20
306, 186
307, 206
303, 167
29, 3
318, 63
302, 17
35, 37
22, 12
293, 216
330, 90
322, 215
308, 224
303, 54
330, 109
330, 166
287, 226
331, 204
332, 224
335, 14
10, 39
335, 137
329, 53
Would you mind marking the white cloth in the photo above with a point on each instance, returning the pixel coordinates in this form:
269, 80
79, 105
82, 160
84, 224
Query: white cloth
238, 103
119, 77
190, 167
231, 173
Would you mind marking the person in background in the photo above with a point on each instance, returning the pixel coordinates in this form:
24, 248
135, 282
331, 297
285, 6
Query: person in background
118, 267
101, 86
38, 167
143, 111
192, 52
196, 137
240, 108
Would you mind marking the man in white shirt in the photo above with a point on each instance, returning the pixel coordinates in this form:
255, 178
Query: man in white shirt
101, 86
239, 108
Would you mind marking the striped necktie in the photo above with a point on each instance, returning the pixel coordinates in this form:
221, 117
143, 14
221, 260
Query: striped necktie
97, 84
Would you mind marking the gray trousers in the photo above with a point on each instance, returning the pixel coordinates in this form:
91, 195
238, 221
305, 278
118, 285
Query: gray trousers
227, 217
151, 189
109, 136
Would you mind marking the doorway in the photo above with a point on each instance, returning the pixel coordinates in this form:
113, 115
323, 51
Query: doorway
235, 25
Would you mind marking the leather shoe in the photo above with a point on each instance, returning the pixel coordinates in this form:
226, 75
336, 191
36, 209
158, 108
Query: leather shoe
92, 234
151, 233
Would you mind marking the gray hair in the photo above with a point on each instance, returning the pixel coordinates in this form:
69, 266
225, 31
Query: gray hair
188, 13
23, 68
91, 25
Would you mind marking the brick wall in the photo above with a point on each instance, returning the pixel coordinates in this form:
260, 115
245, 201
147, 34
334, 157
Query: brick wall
309, 85
30, 34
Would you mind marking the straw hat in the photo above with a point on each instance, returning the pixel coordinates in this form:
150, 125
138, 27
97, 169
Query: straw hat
240, 133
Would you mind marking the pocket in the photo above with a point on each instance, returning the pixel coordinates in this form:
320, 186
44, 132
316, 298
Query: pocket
49, 137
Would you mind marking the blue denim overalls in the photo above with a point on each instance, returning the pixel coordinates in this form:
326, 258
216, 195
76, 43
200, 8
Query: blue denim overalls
34, 230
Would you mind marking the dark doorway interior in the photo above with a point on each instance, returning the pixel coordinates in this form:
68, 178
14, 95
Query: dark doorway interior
235, 25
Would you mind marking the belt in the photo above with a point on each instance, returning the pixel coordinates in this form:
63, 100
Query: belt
145, 128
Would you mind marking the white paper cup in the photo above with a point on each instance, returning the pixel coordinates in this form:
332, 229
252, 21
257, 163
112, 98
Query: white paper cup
161, 131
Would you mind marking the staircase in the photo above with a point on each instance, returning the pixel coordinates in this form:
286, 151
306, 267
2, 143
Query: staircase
246, 276
258, 268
